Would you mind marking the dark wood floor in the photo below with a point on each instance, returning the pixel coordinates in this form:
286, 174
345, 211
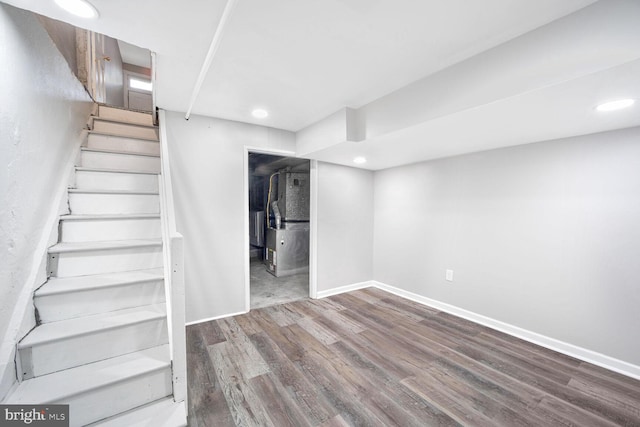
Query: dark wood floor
369, 358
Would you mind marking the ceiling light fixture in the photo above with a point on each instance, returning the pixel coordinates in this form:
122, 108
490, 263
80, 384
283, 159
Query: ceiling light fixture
259, 113
615, 105
81, 8
359, 160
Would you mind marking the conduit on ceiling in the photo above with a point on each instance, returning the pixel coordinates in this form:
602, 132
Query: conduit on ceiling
215, 42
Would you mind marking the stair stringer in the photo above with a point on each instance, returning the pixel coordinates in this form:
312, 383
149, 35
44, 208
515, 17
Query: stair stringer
31, 316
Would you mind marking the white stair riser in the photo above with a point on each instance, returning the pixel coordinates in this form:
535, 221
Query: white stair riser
161, 413
66, 353
84, 263
87, 203
124, 129
109, 229
119, 397
95, 180
117, 114
54, 307
101, 160
122, 144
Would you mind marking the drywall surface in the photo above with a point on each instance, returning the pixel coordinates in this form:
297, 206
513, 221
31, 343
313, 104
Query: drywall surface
64, 37
345, 226
113, 78
334, 129
543, 236
562, 50
207, 166
42, 113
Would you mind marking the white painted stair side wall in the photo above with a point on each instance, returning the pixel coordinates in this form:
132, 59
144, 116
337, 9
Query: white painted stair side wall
125, 129
100, 390
68, 298
55, 346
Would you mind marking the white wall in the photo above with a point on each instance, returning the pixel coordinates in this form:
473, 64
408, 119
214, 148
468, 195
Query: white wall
113, 77
543, 236
42, 113
207, 165
345, 226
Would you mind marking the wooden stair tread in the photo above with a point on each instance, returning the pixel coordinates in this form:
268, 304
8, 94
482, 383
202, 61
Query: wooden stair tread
107, 170
120, 122
59, 386
94, 132
91, 217
80, 326
57, 286
101, 191
122, 152
68, 247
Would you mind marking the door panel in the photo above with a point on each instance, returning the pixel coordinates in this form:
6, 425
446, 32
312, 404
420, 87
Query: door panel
140, 101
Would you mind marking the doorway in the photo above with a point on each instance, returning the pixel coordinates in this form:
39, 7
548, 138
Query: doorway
279, 199
137, 91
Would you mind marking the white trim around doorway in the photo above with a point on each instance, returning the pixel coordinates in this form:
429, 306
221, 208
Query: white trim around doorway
313, 215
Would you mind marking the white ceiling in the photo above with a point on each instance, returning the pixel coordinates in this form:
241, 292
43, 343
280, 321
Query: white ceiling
399, 63
553, 112
134, 55
304, 59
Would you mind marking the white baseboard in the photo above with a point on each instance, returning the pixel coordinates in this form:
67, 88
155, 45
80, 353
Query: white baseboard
343, 289
209, 319
580, 353
586, 355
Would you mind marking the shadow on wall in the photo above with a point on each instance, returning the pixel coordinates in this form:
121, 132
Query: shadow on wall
117, 63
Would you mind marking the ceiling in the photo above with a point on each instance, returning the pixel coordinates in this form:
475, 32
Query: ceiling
261, 164
134, 55
425, 77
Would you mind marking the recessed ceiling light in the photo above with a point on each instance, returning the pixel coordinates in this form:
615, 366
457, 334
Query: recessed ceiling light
359, 160
80, 8
615, 105
259, 113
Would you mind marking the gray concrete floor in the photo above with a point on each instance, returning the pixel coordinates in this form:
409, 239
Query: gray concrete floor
267, 289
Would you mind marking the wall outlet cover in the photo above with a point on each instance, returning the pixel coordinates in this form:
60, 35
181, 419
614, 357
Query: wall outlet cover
449, 276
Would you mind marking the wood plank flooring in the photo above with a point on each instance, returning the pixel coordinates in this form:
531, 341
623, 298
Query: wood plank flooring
369, 358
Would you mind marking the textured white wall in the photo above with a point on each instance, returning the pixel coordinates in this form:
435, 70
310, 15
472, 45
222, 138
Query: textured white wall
345, 226
543, 236
42, 113
207, 166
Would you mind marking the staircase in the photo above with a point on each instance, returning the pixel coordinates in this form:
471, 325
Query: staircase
101, 344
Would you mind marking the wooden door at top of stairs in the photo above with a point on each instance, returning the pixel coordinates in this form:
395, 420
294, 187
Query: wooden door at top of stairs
137, 91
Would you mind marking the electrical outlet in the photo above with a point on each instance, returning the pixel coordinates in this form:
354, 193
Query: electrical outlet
449, 276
